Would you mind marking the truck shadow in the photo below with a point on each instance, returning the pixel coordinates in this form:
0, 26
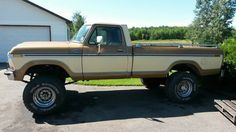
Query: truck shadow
125, 104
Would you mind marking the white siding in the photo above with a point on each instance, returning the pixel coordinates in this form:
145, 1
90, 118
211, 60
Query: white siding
17, 12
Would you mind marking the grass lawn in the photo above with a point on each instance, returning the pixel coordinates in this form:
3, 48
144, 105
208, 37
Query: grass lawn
163, 41
112, 82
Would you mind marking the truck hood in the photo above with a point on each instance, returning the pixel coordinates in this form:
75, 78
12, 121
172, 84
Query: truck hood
41, 48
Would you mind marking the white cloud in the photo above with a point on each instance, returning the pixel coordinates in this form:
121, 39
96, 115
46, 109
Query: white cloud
134, 22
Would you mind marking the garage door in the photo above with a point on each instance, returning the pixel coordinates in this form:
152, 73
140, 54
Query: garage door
13, 35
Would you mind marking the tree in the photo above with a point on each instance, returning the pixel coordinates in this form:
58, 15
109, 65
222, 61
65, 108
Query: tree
77, 21
212, 24
155, 33
229, 47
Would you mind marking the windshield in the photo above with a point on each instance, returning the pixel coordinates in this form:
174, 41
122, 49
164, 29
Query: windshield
80, 35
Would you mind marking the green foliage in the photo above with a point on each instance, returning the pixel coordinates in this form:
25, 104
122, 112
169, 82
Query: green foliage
233, 33
229, 47
112, 82
77, 21
212, 24
156, 33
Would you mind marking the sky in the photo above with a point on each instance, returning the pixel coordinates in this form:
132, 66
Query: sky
134, 13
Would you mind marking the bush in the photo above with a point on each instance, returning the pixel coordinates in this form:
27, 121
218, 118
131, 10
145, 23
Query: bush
229, 48
157, 33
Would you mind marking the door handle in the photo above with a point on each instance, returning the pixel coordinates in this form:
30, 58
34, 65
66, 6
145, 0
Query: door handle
120, 50
99, 48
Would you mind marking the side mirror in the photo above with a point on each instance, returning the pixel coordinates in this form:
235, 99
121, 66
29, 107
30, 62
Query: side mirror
99, 39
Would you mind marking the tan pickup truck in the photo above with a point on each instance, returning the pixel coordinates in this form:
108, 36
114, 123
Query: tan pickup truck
104, 51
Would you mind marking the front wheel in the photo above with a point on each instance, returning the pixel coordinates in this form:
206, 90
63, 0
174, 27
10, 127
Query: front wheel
181, 87
44, 95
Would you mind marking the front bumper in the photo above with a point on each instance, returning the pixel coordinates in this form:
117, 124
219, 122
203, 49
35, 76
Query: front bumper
9, 74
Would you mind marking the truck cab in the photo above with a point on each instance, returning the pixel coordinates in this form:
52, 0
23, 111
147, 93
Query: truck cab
107, 47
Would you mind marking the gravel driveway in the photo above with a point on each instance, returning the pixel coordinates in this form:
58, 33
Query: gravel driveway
111, 109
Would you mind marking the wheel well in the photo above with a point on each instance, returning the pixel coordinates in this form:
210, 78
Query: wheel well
47, 69
187, 68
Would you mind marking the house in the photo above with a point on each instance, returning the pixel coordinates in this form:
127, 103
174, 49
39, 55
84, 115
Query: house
22, 20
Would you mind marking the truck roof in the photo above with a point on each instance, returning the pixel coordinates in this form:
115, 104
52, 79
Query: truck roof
105, 24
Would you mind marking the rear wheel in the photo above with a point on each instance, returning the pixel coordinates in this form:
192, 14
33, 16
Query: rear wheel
44, 95
181, 87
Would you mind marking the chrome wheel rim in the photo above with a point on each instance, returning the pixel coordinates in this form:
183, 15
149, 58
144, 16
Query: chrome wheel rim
44, 97
184, 88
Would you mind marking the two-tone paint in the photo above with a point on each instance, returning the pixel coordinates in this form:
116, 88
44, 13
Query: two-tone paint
82, 61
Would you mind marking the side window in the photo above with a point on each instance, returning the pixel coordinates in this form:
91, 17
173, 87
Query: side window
93, 38
99, 31
111, 36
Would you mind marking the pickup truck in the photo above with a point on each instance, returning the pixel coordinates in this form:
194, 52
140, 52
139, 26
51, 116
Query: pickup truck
105, 51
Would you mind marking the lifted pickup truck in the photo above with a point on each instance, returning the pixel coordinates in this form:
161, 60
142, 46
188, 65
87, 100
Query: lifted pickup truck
104, 51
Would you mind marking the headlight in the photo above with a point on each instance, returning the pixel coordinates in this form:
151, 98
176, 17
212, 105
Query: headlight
10, 57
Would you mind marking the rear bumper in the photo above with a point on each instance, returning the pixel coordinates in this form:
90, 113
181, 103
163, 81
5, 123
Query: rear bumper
9, 74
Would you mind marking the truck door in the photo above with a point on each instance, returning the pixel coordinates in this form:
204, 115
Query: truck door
109, 57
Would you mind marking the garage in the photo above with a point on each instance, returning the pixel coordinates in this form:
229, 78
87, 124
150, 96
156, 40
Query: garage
13, 35
31, 23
